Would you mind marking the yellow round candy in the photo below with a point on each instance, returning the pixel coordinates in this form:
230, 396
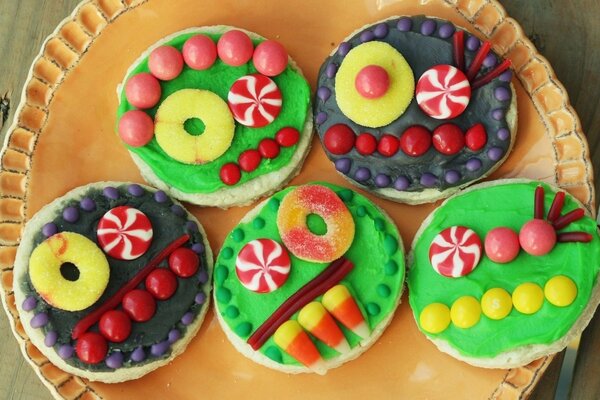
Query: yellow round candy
465, 312
383, 110
496, 303
528, 298
194, 103
560, 291
435, 318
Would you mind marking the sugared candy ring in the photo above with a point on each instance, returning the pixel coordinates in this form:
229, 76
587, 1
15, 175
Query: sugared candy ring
262, 265
187, 104
124, 233
254, 100
455, 251
443, 92
297, 205
45, 271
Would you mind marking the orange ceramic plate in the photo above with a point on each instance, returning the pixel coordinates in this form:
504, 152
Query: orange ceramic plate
63, 137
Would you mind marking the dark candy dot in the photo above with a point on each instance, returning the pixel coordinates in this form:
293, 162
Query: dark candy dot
343, 165
390, 244
110, 193
495, 153
173, 335
474, 164
200, 298
390, 268
452, 177
503, 134
138, 355
379, 224
227, 253
346, 195
65, 351
191, 226
446, 30
159, 349
49, 229
428, 179
490, 60
238, 235
243, 329
202, 276
274, 354
506, 76
198, 248
39, 320
135, 190
115, 360
160, 196
362, 174
321, 117
177, 210
383, 290
223, 295
404, 24
373, 309
498, 114
344, 48
361, 211
331, 70
71, 214
187, 318
401, 183
87, 204
258, 223
473, 43
51, 338
274, 204
501, 93
382, 180
367, 36
381, 30
428, 27
29, 303
221, 273
323, 93
232, 312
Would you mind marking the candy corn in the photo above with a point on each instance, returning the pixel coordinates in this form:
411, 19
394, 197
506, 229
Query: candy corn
294, 341
340, 303
314, 318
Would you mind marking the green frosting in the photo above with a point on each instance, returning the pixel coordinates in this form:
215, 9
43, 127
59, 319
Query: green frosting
375, 286
509, 205
218, 79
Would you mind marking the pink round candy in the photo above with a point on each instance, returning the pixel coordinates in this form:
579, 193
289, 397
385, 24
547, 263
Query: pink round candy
372, 81
270, 58
537, 237
199, 52
235, 48
502, 245
165, 63
143, 90
136, 128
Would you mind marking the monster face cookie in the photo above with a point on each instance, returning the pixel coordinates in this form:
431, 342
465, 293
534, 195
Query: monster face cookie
413, 108
309, 279
112, 280
216, 116
505, 273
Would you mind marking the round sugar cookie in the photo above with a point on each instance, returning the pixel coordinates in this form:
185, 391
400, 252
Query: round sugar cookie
531, 305
90, 307
280, 298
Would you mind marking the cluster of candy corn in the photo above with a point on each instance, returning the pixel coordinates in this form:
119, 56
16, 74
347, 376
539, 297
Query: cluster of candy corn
318, 319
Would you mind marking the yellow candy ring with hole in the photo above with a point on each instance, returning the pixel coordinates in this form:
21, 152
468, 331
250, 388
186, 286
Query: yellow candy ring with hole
186, 104
47, 279
295, 208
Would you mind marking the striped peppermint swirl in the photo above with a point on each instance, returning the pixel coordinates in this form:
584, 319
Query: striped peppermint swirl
254, 100
124, 233
443, 92
263, 265
455, 251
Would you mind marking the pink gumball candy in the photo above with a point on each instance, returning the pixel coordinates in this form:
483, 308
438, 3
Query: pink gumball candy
136, 128
537, 237
270, 58
143, 90
502, 245
235, 48
165, 63
372, 82
199, 52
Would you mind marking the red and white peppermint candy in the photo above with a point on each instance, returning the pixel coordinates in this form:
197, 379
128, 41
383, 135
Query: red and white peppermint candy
455, 251
254, 100
443, 92
262, 265
124, 233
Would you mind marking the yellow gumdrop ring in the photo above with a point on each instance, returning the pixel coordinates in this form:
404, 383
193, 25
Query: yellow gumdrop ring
384, 109
46, 263
186, 104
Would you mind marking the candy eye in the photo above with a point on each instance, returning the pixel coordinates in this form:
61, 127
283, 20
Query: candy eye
124, 233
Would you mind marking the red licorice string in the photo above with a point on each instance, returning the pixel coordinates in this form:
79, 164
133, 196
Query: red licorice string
487, 78
538, 206
574, 237
86, 322
556, 207
566, 219
478, 60
459, 50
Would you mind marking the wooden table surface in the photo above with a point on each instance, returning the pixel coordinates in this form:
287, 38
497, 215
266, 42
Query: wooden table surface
565, 31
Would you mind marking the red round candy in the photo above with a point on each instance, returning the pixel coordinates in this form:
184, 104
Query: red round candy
230, 174
161, 283
476, 137
199, 52
268, 148
366, 144
235, 48
184, 262
448, 139
537, 237
249, 160
415, 141
143, 90
287, 136
270, 58
115, 326
339, 139
91, 348
502, 245
139, 305
136, 128
372, 81
165, 63
388, 145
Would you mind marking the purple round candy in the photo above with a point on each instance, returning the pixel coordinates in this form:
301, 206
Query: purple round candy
321, 117
71, 214
498, 114
495, 153
177, 210
65, 351
111, 192
191, 226
501, 93
382, 180
506, 76
202, 276
452, 177
160, 196
428, 179
115, 360
323, 93
503, 134
490, 60
159, 349
446, 30
29, 303
367, 36
472, 43
404, 24
51, 338
39, 320
200, 298
381, 30
198, 248
173, 336
362, 174
343, 165
49, 229
401, 183
187, 318
344, 48
474, 164
138, 355
428, 27
331, 70
135, 190
87, 204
